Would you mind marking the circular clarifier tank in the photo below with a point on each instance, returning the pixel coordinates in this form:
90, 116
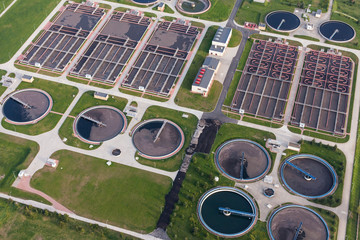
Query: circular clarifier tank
227, 212
297, 222
98, 124
145, 2
337, 31
308, 176
158, 138
193, 6
27, 106
282, 21
242, 160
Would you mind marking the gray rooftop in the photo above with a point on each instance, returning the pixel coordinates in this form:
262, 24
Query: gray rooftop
211, 62
27, 77
222, 34
100, 94
217, 49
206, 78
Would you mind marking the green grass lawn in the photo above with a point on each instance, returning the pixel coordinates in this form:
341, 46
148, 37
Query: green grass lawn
200, 178
87, 100
44, 125
25, 222
333, 156
187, 99
16, 154
5, 4
255, 12
124, 196
232, 89
307, 37
351, 227
188, 125
20, 22
235, 39
220, 11
62, 96
2, 90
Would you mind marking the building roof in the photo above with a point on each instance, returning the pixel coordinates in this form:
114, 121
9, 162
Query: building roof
203, 77
100, 94
217, 49
262, 25
318, 11
161, 4
211, 63
222, 35
27, 77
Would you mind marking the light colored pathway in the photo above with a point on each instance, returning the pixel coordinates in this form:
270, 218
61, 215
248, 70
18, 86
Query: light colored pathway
77, 217
7, 8
294, 87
24, 184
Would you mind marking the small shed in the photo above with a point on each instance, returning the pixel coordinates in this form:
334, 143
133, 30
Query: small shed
318, 13
262, 26
294, 146
100, 95
27, 78
161, 7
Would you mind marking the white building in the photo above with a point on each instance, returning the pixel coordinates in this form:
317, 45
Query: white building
220, 41
205, 76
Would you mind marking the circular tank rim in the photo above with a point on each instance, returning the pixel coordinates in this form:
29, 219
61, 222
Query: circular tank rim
179, 147
92, 108
217, 163
272, 215
285, 31
349, 40
181, 10
332, 170
231, 189
35, 120
145, 4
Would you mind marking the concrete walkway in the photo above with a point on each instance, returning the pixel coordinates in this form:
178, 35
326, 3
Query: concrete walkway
7, 8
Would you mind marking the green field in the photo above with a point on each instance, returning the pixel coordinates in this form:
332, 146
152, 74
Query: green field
4, 4
220, 11
20, 22
196, 101
354, 211
25, 222
87, 100
16, 154
61, 94
188, 125
123, 196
